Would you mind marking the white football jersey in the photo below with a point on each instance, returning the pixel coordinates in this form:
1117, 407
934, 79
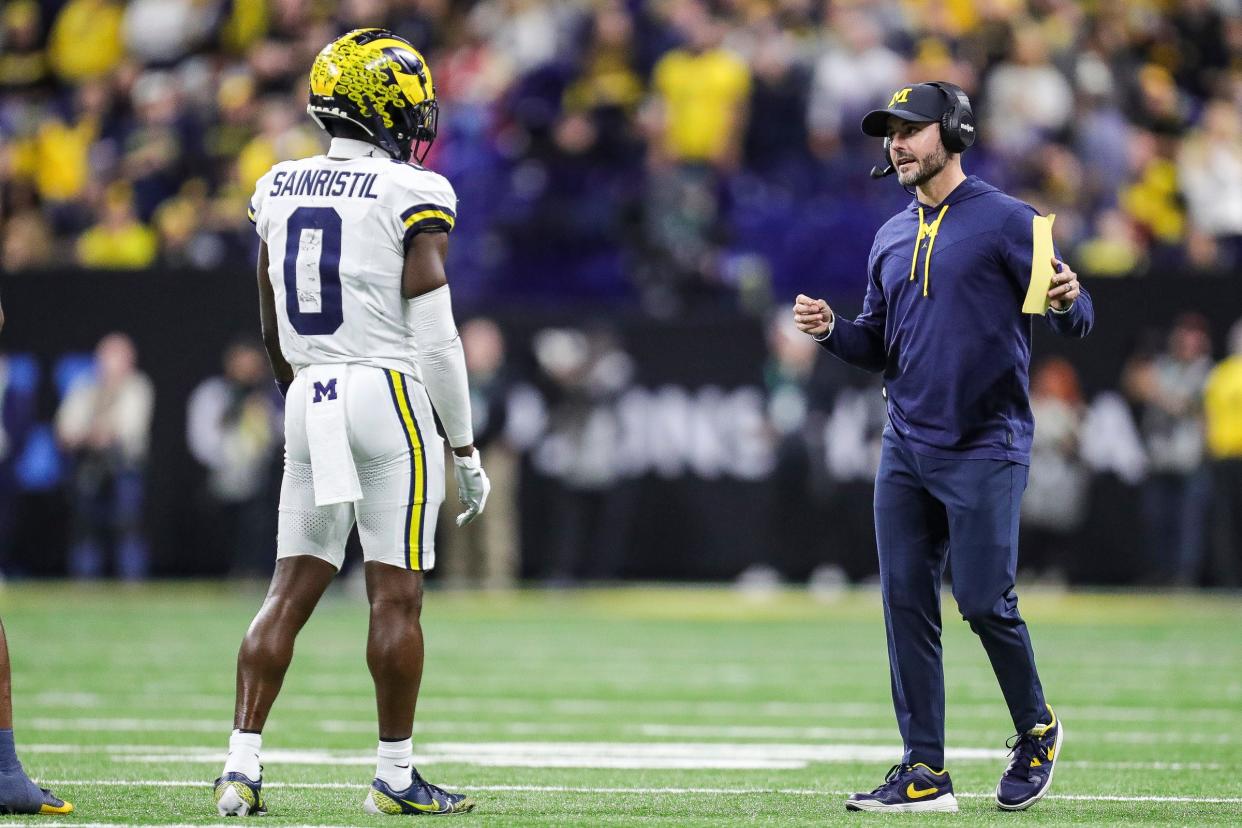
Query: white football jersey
337, 227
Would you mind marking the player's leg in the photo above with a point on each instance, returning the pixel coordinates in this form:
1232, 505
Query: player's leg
984, 498
910, 535
18, 795
310, 548
267, 650
401, 469
395, 649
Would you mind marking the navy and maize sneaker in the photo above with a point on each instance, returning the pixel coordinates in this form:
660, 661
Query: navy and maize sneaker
239, 795
908, 788
420, 799
1029, 774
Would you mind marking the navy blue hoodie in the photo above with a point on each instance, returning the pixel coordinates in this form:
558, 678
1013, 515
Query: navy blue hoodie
946, 327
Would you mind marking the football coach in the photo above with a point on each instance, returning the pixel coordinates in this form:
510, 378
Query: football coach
943, 322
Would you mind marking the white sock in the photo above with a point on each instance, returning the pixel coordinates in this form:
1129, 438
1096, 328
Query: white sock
393, 766
244, 754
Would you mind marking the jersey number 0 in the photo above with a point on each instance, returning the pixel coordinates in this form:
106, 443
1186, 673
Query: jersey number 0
312, 271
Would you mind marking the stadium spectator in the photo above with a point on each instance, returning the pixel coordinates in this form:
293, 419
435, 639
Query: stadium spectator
160, 32
825, 424
26, 242
23, 62
119, 240
233, 429
775, 141
696, 122
1222, 406
1119, 88
484, 553
1056, 504
592, 503
1169, 392
1113, 249
85, 41
854, 68
1209, 166
1029, 99
104, 425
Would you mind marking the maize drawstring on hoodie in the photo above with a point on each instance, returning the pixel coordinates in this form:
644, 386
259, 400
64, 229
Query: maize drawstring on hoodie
926, 231
956, 362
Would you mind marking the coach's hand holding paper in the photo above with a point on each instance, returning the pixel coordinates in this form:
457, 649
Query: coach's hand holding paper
472, 485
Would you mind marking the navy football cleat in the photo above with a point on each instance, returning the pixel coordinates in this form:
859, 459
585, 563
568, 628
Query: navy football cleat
420, 799
18, 795
908, 788
239, 795
1035, 754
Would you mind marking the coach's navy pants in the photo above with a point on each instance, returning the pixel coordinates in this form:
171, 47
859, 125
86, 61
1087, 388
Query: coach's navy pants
928, 511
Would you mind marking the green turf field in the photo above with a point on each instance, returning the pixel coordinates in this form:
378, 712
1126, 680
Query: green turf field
671, 707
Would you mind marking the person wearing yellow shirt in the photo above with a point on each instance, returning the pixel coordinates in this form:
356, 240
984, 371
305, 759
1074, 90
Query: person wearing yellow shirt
694, 122
119, 241
702, 90
85, 41
1222, 410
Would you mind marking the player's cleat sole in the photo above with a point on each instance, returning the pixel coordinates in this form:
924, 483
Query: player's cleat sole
238, 796
1023, 804
946, 804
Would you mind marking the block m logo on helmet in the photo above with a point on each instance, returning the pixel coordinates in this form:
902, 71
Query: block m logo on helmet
899, 96
323, 392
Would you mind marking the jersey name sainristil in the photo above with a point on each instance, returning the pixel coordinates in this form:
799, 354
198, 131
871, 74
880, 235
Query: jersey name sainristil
320, 182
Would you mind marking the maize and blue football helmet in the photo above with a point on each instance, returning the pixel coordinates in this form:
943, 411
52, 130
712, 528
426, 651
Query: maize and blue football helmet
378, 82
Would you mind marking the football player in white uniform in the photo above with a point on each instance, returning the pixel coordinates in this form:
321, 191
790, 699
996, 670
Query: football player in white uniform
359, 326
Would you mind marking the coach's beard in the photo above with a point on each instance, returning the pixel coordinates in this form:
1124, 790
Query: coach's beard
924, 170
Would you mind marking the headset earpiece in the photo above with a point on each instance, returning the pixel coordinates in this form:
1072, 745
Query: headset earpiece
957, 124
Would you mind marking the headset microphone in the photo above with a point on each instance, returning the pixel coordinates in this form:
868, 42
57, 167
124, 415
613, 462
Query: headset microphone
889, 168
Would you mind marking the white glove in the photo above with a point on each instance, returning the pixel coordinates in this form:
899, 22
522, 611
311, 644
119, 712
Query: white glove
472, 486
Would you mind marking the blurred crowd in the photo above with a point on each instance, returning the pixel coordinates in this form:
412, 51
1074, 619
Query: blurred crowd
663, 150
1140, 484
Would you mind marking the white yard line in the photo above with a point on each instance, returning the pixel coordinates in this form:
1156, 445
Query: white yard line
611, 755
650, 729
825, 711
198, 783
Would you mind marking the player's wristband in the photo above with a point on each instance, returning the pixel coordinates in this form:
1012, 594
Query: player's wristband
283, 388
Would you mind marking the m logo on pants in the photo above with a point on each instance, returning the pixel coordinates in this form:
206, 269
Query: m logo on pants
328, 391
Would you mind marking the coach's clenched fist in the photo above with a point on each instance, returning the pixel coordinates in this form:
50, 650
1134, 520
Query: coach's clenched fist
812, 316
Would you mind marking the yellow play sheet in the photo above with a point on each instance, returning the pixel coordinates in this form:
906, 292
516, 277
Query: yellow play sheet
1041, 266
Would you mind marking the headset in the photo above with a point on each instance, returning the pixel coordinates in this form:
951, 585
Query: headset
957, 127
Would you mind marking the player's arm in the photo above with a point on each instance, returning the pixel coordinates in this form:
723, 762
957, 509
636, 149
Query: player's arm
429, 316
281, 368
